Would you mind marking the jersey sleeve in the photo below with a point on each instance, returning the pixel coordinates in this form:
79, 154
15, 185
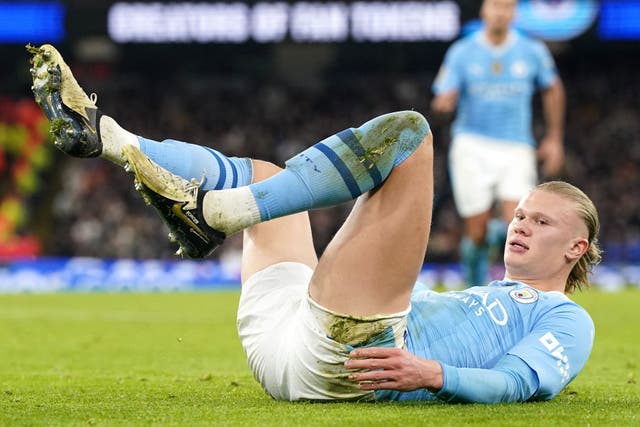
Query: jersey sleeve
449, 76
510, 380
557, 348
547, 72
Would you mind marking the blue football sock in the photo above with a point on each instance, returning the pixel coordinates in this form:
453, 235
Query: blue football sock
341, 167
195, 161
475, 262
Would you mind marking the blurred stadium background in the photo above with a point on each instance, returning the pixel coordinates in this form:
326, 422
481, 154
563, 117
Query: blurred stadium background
265, 79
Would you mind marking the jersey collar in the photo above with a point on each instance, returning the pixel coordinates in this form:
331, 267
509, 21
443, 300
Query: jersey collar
517, 283
511, 39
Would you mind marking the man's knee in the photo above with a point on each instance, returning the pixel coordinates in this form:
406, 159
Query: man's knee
477, 233
391, 138
408, 127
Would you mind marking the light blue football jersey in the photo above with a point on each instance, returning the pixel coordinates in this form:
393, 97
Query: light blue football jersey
477, 327
495, 85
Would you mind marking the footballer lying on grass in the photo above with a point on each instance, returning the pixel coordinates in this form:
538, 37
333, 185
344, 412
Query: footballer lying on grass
354, 324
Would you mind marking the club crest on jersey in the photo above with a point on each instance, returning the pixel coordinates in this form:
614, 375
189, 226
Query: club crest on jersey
524, 295
519, 69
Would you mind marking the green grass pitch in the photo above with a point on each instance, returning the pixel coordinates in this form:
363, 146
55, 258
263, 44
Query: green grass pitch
175, 359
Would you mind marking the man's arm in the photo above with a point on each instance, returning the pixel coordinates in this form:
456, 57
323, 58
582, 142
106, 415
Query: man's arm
551, 149
538, 367
447, 84
511, 380
445, 103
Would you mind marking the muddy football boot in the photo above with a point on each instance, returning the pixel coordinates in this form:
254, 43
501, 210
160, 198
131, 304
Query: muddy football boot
73, 115
178, 201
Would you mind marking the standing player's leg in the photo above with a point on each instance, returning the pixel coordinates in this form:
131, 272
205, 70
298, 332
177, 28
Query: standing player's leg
80, 129
474, 249
497, 234
508, 209
473, 178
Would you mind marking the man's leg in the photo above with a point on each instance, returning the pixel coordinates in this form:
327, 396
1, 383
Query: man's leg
298, 350
285, 239
508, 210
80, 129
373, 262
474, 249
335, 170
473, 171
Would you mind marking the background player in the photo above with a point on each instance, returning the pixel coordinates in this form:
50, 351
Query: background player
490, 77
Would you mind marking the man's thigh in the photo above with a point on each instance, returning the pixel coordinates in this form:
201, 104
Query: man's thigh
372, 263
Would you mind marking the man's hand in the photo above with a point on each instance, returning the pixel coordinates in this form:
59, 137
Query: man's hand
393, 369
551, 153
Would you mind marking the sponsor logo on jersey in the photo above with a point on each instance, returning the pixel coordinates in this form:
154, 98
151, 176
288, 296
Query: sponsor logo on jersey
524, 295
551, 343
482, 305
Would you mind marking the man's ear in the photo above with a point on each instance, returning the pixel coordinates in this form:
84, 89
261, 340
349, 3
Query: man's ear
578, 248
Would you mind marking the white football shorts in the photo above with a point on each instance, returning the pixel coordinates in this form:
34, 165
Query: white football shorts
296, 349
484, 170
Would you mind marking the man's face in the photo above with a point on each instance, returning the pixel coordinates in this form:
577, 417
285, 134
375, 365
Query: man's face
544, 238
498, 14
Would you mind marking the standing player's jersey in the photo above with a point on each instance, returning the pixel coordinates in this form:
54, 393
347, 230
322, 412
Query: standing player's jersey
476, 327
495, 84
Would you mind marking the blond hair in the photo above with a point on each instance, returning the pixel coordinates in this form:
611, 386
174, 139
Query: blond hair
578, 278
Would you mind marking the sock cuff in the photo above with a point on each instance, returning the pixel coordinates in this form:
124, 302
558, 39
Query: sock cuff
282, 194
230, 210
113, 138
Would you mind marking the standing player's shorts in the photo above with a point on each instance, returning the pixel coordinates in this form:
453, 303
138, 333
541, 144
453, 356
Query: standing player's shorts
296, 349
484, 170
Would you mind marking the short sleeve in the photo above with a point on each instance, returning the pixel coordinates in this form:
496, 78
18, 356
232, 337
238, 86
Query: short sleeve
449, 76
547, 72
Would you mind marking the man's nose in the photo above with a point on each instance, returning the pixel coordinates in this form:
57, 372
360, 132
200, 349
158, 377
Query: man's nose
522, 228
